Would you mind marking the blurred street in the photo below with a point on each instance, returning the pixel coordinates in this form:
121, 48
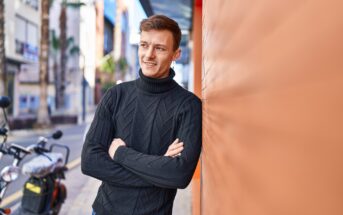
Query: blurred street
268, 74
58, 58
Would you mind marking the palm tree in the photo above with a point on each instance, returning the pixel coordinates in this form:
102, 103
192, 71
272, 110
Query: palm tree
64, 45
55, 47
43, 119
72, 50
2, 49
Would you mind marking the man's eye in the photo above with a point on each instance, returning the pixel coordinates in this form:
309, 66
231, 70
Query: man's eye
160, 49
144, 45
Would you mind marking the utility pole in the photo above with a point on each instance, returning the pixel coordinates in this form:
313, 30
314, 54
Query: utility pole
83, 90
3, 82
117, 30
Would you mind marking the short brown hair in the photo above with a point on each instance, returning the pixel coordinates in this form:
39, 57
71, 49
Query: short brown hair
160, 22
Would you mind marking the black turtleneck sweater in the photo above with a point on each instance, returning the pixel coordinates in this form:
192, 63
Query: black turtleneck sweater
148, 115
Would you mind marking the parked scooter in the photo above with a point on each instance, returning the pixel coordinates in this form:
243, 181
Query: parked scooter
11, 172
44, 193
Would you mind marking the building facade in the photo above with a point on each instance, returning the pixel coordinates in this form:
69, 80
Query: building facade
22, 27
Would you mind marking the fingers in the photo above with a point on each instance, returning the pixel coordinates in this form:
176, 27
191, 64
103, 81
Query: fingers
177, 155
175, 141
175, 146
118, 141
175, 149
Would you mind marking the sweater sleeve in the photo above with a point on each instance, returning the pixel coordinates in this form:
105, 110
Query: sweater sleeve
95, 160
168, 172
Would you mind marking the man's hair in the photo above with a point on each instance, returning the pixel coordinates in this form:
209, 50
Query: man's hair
160, 22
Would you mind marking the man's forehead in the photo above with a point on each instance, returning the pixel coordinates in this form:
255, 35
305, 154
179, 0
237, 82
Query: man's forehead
159, 37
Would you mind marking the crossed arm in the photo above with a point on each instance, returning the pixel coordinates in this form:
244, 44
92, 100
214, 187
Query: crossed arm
173, 151
173, 171
99, 164
111, 161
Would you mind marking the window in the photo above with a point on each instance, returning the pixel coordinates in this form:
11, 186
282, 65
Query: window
26, 38
28, 103
31, 3
23, 104
32, 34
108, 37
20, 35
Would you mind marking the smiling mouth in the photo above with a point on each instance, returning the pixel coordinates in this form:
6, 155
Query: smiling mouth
150, 63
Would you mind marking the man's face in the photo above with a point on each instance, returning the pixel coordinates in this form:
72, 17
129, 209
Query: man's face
156, 53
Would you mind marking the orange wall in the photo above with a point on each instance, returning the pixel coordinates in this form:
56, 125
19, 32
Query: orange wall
196, 57
197, 46
273, 107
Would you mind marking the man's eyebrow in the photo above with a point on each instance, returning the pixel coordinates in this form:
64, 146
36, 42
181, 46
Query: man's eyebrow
160, 45
157, 44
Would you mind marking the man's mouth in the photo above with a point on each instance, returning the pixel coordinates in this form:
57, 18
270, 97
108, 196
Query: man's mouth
150, 63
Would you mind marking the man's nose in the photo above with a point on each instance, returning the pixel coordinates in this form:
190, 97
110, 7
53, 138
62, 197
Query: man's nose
150, 53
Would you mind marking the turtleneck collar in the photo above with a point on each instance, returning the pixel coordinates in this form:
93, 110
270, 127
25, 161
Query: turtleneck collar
153, 85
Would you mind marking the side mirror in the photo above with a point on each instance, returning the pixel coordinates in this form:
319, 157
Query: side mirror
4, 101
3, 131
57, 135
10, 173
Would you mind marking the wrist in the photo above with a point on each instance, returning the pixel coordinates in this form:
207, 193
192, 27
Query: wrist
119, 153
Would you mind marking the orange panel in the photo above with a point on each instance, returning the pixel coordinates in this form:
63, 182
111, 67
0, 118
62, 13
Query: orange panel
197, 49
197, 55
273, 100
195, 196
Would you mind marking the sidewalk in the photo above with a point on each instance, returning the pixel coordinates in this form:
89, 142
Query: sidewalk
81, 193
83, 189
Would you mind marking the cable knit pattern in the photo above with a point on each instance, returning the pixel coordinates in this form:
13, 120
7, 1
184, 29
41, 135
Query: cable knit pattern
148, 114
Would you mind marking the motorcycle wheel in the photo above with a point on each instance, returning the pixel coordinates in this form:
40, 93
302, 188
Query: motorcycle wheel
60, 198
56, 209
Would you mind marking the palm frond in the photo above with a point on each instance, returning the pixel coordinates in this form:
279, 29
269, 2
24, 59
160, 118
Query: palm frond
75, 50
107, 63
54, 41
70, 41
51, 3
77, 4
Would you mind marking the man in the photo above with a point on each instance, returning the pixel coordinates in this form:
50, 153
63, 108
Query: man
145, 139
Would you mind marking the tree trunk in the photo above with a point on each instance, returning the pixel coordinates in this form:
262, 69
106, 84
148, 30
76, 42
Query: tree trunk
43, 119
63, 46
3, 84
57, 83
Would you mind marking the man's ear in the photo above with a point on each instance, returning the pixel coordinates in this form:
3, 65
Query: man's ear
177, 54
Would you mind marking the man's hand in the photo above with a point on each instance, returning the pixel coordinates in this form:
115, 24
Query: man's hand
174, 149
114, 146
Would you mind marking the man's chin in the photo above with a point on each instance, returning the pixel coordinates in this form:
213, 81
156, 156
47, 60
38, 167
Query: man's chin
148, 73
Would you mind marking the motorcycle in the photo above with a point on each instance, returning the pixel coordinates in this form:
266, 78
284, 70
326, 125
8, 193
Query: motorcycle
5, 102
43, 192
9, 173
